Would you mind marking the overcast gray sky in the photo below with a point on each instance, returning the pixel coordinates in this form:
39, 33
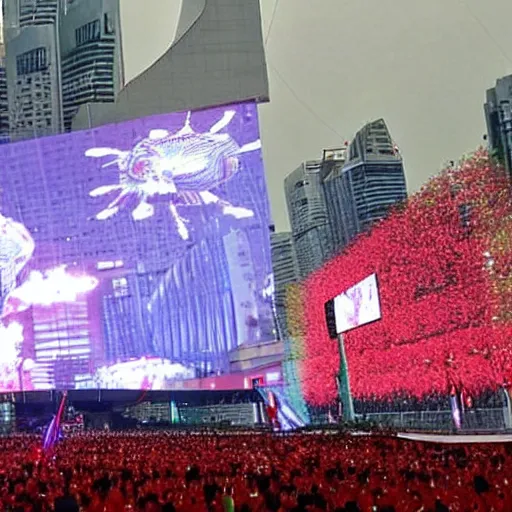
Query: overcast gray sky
422, 65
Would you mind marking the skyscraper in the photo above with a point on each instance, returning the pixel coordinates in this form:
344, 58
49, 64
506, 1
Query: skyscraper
63, 341
372, 180
337, 205
307, 211
498, 115
284, 264
332, 200
90, 46
32, 83
59, 55
189, 324
28, 13
4, 105
126, 331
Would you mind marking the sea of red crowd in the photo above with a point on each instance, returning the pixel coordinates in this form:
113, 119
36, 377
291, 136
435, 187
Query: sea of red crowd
159, 472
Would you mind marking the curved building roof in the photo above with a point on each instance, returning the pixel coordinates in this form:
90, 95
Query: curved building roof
372, 143
217, 58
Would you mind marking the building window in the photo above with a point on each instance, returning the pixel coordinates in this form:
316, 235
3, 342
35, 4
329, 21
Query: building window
88, 32
31, 62
120, 287
108, 21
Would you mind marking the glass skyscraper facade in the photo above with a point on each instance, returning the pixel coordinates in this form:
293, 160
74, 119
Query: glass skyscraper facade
498, 114
59, 55
332, 200
187, 318
307, 210
372, 179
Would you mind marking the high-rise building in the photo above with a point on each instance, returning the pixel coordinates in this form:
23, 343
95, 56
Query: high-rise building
284, 264
33, 83
4, 105
59, 56
337, 205
372, 179
331, 200
189, 323
64, 337
498, 114
307, 211
125, 330
90, 47
27, 13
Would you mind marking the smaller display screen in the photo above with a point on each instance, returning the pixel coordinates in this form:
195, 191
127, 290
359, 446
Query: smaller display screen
358, 305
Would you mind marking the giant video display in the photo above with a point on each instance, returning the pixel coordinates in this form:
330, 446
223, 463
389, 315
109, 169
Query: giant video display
357, 306
134, 255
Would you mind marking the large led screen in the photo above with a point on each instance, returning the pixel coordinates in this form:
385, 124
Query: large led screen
358, 305
133, 255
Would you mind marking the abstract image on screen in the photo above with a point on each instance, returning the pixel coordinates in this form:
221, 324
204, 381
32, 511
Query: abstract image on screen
357, 306
133, 255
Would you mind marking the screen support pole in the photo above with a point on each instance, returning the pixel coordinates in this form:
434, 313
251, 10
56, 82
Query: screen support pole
344, 383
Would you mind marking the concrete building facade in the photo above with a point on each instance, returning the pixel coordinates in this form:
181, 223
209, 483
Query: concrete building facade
90, 46
33, 75
498, 115
284, 264
307, 211
373, 178
332, 162
330, 201
4, 104
217, 58
59, 56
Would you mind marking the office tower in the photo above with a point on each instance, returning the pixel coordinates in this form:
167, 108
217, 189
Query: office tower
315, 210
307, 211
331, 200
189, 324
284, 264
4, 106
64, 339
372, 179
332, 162
125, 329
90, 47
33, 83
27, 13
59, 55
498, 115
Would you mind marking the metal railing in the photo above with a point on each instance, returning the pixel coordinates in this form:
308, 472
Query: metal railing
475, 420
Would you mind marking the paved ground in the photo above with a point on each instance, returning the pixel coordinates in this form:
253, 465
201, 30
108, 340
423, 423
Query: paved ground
458, 438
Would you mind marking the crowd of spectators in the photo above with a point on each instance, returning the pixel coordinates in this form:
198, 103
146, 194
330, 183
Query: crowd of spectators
163, 471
